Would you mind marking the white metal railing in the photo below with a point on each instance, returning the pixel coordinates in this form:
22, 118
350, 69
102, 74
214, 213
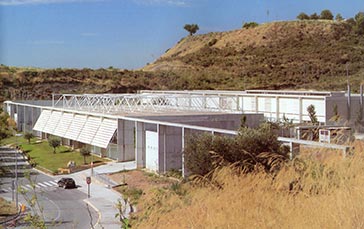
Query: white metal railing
116, 103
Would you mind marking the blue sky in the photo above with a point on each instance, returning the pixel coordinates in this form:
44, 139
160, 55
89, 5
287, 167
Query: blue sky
129, 33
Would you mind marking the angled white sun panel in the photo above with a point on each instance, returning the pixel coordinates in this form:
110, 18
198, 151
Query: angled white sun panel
74, 130
105, 133
52, 122
64, 124
42, 120
89, 130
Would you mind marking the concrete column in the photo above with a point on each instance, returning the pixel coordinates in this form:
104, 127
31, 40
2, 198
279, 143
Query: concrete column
126, 140
140, 144
349, 104
361, 96
161, 129
300, 110
256, 104
183, 149
277, 108
237, 103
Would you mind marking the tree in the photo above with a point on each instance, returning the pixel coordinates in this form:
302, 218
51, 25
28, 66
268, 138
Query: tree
303, 16
314, 16
54, 142
312, 114
326, 15
191, 28
359, 23
85, 153
7, 125
28, 136
338, 17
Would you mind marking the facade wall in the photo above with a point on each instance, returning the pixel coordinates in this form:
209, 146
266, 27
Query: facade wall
126, 140
219, 121
170, 148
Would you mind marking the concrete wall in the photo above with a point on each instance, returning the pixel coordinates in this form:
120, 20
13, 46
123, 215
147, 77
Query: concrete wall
348, 111
219, 121
170, 148
126, 140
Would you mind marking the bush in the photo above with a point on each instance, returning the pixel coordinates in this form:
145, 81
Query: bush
248, 25
359, 23
54, 142
326, 15
314, 16
303, 16
251, 148
212, 42
28, 136
338, 17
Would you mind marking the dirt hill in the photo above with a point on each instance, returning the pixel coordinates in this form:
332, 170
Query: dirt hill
295, 54
312, 54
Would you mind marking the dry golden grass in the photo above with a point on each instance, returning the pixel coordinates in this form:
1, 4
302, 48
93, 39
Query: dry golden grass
306, 193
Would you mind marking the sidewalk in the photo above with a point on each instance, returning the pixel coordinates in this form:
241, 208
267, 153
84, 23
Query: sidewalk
102, 197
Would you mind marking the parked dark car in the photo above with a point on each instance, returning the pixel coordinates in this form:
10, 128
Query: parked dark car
66, 183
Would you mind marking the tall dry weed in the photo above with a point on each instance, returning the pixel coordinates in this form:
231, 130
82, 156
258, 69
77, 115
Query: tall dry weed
305, 193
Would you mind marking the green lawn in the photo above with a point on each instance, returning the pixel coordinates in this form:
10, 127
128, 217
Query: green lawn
43, 155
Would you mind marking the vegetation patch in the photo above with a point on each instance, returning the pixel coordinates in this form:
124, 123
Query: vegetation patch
320, 193
41, 154
7, 208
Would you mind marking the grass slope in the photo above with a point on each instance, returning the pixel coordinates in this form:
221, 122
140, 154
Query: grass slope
325, 194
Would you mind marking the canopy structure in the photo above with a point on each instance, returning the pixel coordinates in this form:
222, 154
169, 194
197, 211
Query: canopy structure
88, 129
146, 102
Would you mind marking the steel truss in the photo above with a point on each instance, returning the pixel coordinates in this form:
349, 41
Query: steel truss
146, 102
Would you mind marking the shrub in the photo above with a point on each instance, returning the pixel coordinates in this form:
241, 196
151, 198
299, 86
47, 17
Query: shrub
54, 142
85, 153
212, 42
359, 23
338, 17
28, 136
251, 148
314, 16
248, 25
303, 16
326, 15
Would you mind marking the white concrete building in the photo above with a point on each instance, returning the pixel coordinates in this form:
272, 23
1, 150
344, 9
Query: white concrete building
151, 127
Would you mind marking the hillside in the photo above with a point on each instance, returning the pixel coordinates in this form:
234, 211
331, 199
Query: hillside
295, 54
310, 54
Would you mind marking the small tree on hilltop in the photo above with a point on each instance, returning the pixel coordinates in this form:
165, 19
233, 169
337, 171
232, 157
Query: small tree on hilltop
54, 143
303, 16
251, 24
359, 23
191, 28
314, 16
326, 15
85, 153
338, 17
28, 136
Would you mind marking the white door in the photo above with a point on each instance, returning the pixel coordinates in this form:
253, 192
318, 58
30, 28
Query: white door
151, 152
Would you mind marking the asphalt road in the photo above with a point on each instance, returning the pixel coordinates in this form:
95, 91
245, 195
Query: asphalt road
62, 208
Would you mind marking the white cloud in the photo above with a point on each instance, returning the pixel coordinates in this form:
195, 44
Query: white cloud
28, 2
163, 2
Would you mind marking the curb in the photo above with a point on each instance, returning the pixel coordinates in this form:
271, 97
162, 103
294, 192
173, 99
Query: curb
97, 210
